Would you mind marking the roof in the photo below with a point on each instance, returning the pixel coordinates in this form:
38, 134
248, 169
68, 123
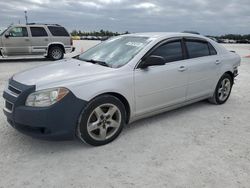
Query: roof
42, 24
165, 34
35, 24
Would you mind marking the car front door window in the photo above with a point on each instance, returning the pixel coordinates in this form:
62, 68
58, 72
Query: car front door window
171, 51
18, 32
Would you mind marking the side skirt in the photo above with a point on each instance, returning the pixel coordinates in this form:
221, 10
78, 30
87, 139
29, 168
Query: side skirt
168, 108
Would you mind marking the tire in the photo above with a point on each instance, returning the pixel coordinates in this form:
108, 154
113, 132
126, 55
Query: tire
101, 121
223, 90
55, 53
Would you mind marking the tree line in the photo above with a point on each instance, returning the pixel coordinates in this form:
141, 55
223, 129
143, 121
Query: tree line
101, 33
96, 33
233, 37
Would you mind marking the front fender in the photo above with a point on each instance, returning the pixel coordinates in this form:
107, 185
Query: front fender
122, 85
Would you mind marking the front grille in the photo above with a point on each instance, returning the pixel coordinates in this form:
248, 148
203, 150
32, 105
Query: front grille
14, 90
9, 106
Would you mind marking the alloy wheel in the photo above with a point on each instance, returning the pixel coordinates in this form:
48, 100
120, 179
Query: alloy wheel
224, 89
56, 53
104, 122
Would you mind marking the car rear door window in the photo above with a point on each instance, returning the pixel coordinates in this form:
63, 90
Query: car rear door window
171, 51
38, 32
58, 31
197, 48
18, 32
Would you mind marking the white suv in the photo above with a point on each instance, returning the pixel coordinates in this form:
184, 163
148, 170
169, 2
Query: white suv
50, 40
116, 82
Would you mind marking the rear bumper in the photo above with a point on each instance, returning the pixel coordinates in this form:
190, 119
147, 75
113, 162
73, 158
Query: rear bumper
236, 73
57, 122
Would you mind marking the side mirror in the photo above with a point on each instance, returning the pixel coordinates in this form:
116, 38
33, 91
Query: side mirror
153, 60
7, 35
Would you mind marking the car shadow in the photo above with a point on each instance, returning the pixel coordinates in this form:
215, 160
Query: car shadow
44, 146
166, 115
23, 60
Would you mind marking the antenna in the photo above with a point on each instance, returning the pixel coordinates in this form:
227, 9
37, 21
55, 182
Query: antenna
26, 17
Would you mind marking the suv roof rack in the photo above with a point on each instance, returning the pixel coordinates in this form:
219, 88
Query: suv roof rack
42, 24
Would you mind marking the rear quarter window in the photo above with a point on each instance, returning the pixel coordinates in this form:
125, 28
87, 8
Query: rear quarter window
58, 31
212, 49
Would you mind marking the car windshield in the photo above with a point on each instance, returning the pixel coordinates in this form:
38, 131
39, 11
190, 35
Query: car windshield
116, 51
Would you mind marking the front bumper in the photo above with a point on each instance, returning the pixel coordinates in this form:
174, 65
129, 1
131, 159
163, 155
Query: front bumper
69, 49
57, 122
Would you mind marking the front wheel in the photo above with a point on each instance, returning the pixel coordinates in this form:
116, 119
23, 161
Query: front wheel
102, 120
223, 90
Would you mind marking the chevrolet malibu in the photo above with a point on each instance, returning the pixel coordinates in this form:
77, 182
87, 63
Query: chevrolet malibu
119, 81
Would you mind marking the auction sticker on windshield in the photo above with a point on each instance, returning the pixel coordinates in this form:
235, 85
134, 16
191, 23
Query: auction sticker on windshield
135, 44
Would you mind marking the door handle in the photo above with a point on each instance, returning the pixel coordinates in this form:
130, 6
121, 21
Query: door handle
182, 68
46, 39
217, 62
27, 40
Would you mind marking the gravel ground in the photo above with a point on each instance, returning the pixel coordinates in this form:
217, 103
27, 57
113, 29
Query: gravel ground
201, 145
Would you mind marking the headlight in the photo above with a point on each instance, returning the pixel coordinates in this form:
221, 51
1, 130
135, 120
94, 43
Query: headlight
46, 97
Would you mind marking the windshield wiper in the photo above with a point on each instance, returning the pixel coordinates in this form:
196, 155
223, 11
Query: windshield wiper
97, 62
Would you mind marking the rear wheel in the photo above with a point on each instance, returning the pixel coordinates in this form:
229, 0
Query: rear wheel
56, 53
223, 90
102, 120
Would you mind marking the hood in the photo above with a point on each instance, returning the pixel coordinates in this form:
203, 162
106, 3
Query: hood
61, 71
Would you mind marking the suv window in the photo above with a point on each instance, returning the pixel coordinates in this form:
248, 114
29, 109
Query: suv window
38, 32
18, 32
197, 48
58, 31
171, 51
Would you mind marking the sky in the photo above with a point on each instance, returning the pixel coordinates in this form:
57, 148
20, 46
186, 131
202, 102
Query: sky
209, 17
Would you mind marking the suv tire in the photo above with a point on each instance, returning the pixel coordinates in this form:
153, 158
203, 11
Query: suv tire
102, 120
55, 53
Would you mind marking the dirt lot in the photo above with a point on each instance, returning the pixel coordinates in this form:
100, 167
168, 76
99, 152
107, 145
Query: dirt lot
201, 145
